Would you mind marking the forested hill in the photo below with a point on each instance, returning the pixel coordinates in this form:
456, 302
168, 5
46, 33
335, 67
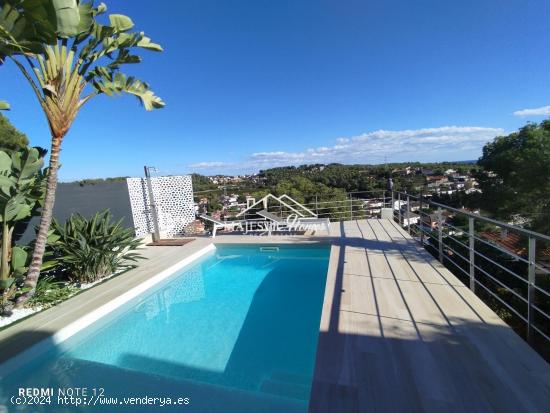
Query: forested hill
362, 177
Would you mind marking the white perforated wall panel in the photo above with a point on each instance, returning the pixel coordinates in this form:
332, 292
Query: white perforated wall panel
174, 199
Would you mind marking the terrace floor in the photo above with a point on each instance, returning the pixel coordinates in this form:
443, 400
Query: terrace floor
400, 333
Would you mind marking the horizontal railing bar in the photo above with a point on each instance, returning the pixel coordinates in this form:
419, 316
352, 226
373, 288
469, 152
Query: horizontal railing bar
541, 290
432, 237
457, 266
501, 300
419, 229
358, 212
457, 241
507, 288
544, 270
455, 228
457, 253
371, 191
340, 212
429, 233
519, 277
544, 313
514, 228
420, 212
347, 201
346, 205
501, 249
538, 330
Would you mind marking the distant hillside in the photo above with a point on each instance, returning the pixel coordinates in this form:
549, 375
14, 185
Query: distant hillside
95, 181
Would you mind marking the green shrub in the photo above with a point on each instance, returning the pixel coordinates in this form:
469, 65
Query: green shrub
89, 249
22, 184
10, 291
50, 291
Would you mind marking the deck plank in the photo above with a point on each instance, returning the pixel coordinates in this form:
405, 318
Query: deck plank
404, 334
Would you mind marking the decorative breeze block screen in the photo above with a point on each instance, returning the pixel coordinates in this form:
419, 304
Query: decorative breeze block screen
173, 197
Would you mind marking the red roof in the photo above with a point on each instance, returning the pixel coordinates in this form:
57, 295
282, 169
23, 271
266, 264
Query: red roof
512, 241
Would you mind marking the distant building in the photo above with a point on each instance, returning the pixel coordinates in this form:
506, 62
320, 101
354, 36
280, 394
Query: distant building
473, 191
510, 241
432, 220
414, 206
410, 219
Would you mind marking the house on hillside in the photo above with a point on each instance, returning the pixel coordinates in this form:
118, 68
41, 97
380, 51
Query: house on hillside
414, 206
373, 206
509, 241
410, 219
432, 220
473, 191
435, 181
399, 204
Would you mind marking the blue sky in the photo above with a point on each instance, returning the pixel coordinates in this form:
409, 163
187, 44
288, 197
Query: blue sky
259, 83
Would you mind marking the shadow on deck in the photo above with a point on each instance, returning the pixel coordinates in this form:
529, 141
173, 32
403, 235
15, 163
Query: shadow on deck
400, 333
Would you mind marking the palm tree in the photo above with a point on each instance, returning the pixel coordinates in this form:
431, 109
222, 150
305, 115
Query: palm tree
68, 57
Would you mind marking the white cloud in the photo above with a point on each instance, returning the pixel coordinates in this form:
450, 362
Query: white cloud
543, 111
207, 165
373, 147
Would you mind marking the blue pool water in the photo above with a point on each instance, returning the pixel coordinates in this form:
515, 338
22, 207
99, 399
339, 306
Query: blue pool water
236, 331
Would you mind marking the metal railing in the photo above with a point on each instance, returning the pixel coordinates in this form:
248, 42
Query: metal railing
353, 205
477, 249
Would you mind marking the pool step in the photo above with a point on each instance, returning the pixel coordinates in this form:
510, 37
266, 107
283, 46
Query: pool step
204, 397
269, 249
284, 388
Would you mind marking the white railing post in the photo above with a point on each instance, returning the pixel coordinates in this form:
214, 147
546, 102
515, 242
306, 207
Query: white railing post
399, 209
409, 214
471, 237
350, 207
316, 206
531, 289
440, 233
421, 219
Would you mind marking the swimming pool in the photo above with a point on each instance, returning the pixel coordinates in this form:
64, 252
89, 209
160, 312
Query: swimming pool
235, 331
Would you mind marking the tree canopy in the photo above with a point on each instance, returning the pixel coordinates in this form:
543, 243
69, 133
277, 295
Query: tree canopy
69, 52
10, 137
520, 178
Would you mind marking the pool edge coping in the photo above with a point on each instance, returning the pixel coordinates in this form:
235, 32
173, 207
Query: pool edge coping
26, 355
59, 335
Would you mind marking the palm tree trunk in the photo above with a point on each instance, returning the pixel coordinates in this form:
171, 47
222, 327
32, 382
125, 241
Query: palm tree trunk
45, 221
5, 251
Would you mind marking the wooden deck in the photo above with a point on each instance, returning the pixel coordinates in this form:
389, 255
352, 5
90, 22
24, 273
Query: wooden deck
399, 333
